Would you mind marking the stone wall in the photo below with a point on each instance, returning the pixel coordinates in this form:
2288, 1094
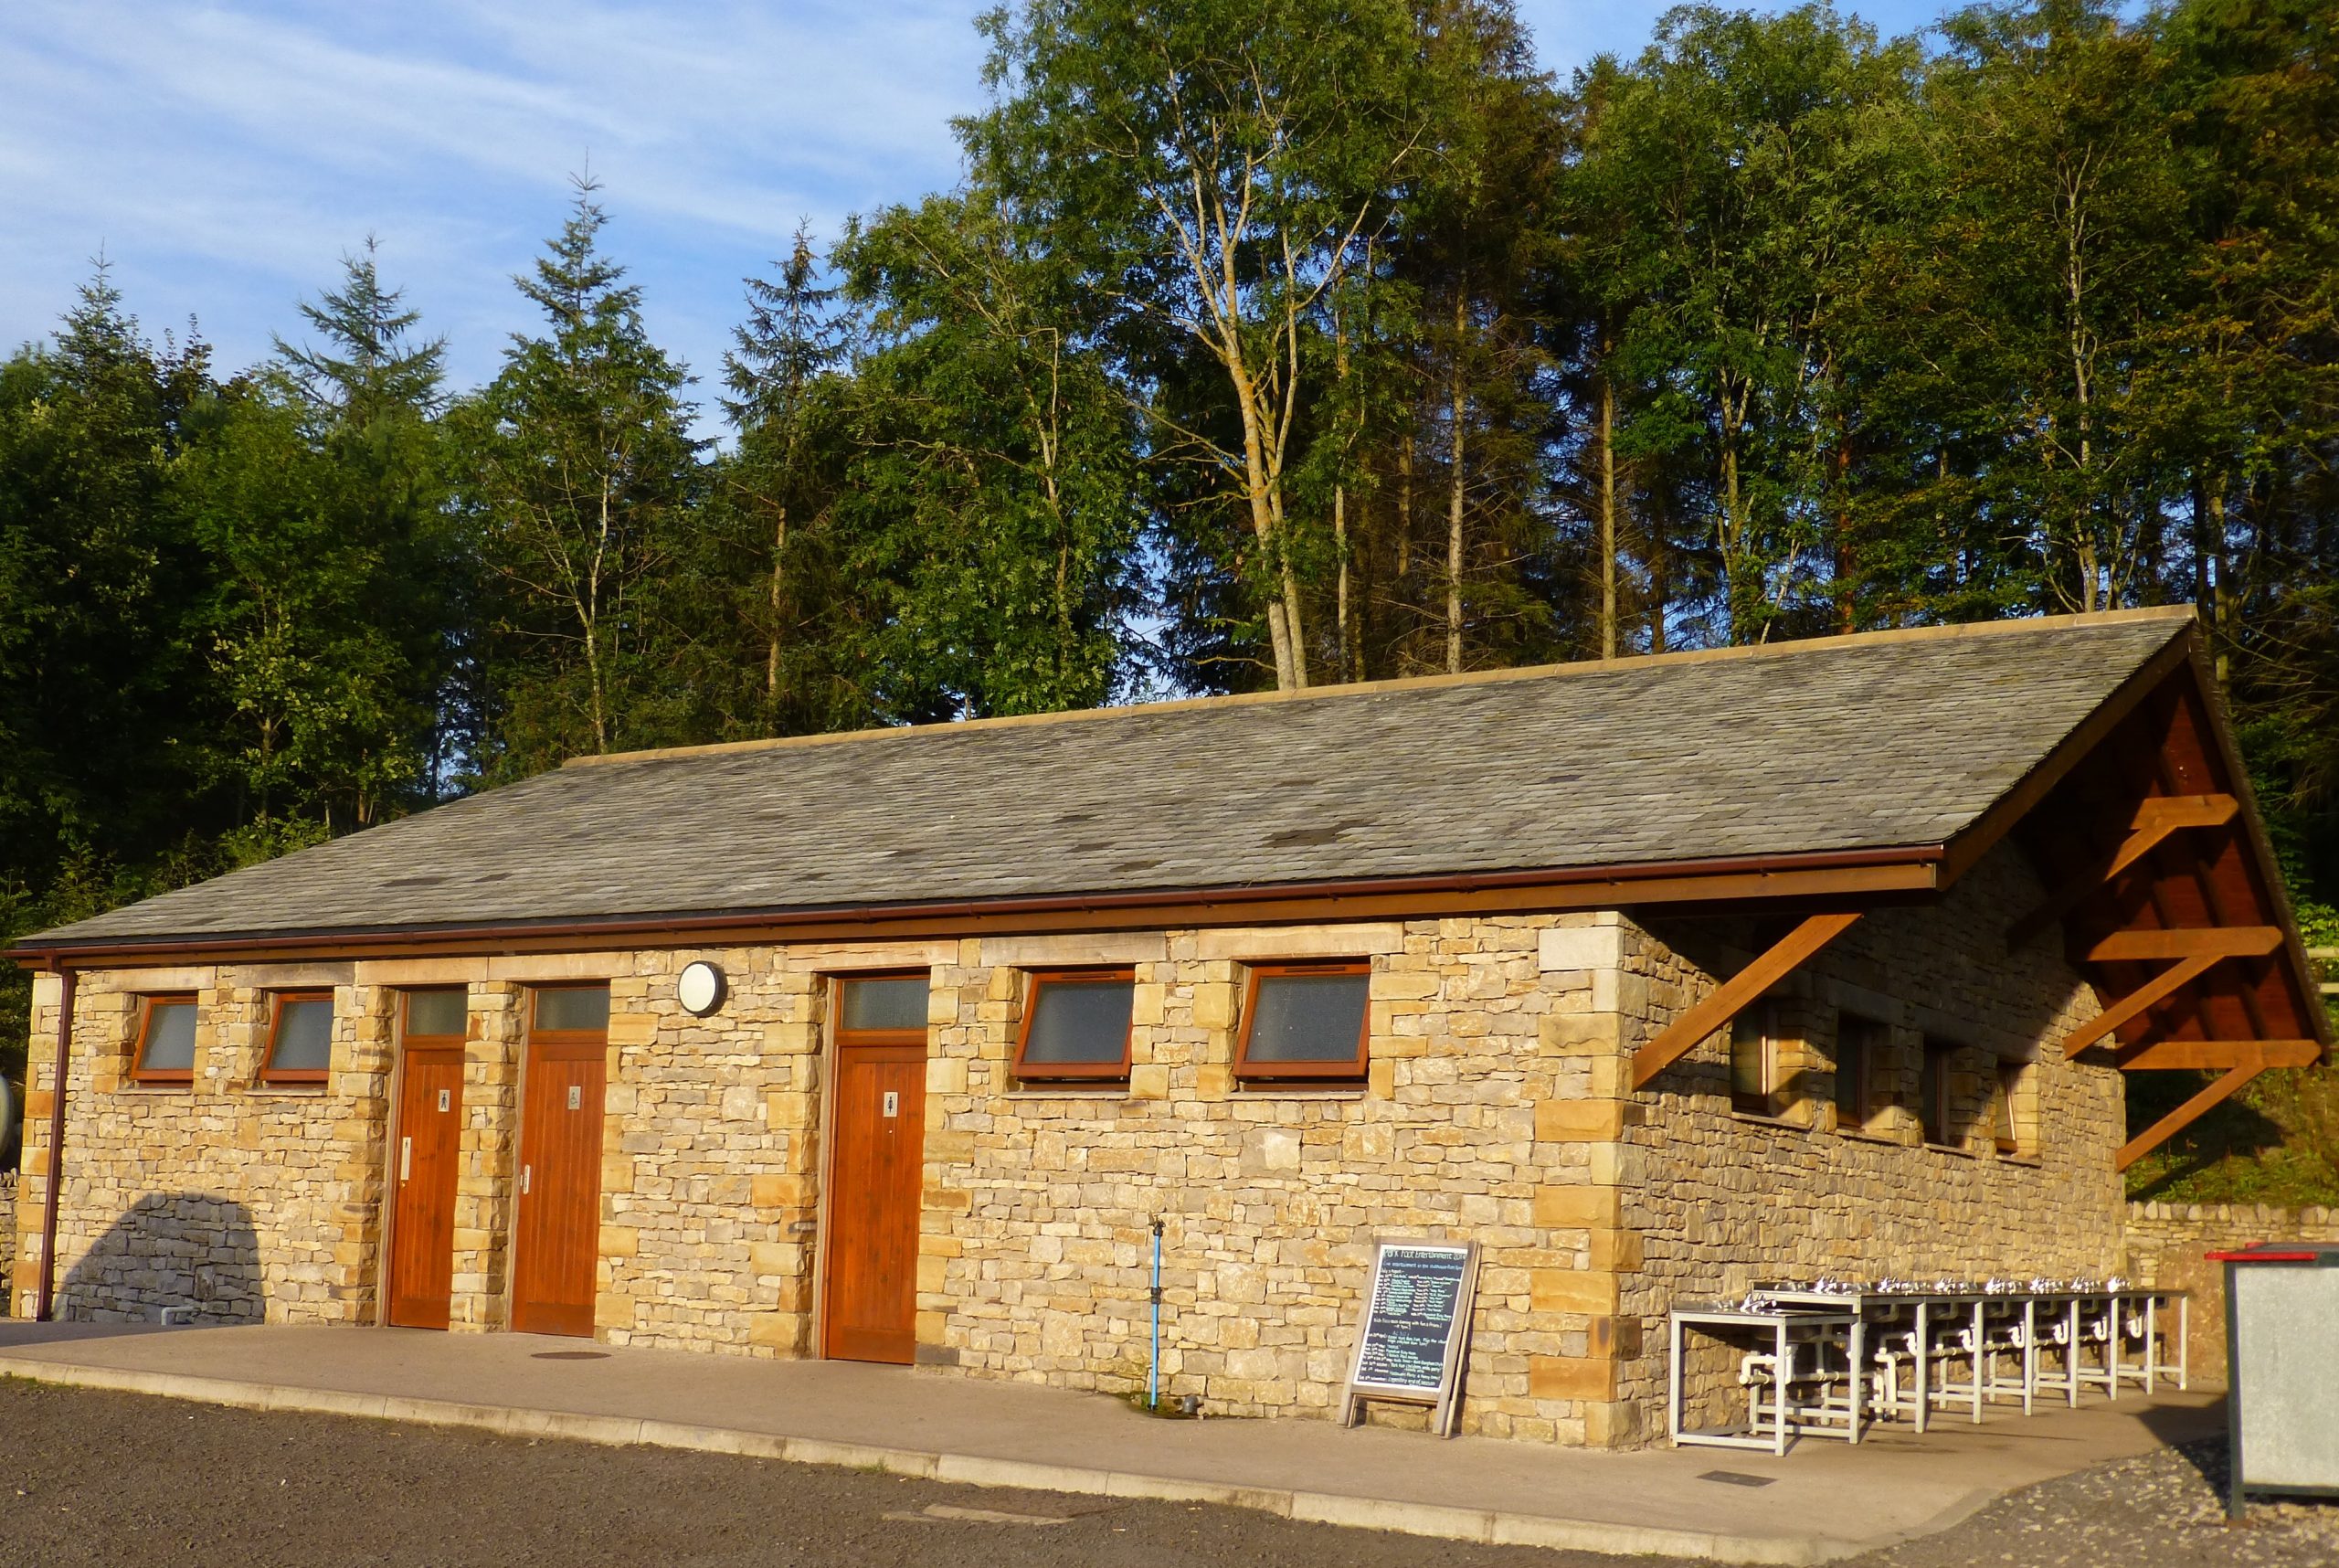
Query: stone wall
2166, 1243
1720, 1200
224, 1199
1037, 1248
1496, 1108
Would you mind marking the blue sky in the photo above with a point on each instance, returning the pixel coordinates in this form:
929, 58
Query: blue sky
224, 157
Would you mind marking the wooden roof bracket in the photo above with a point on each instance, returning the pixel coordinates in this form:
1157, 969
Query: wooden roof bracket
2185, 1115
1731, 997
2194, 953
2154, 820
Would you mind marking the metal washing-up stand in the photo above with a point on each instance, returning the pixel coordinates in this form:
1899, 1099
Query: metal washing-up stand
1792, 1332
2006, 1333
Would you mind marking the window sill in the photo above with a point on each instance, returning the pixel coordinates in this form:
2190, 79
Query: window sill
1962, 1153
1758, 1119
1861, 1135
1069, 1092
2027, 1161
287, 1091
1305, 1091
156, 1088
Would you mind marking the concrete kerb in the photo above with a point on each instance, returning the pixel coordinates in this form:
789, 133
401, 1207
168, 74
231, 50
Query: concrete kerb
1319, 1508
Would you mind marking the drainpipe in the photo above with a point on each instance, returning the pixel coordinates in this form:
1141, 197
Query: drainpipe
47, 1298
1154, 1363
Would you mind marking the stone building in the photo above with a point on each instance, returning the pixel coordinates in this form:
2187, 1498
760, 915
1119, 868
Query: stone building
1654, 977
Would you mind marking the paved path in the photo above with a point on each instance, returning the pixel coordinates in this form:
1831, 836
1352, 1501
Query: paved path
1823, 1500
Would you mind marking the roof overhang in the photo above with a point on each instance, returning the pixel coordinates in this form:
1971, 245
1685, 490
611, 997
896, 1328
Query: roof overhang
1831, 876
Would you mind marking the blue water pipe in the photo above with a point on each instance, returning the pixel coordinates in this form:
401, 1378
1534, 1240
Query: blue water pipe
1153, 1365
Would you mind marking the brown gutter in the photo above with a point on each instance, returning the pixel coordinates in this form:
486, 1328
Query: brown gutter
1922, 858
56, 1145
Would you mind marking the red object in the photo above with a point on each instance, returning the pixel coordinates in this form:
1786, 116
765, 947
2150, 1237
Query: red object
2247, 1255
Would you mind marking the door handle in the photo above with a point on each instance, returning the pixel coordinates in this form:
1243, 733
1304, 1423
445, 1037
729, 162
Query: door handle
525, 1172
405, 1157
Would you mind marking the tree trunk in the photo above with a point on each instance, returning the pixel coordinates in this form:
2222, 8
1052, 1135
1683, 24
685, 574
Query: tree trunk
771, 649
1457, 481
1607, 517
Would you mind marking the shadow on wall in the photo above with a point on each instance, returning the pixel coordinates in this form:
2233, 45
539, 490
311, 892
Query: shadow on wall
189, 1251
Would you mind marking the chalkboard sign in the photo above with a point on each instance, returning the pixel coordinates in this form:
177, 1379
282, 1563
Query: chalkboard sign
1416, 1326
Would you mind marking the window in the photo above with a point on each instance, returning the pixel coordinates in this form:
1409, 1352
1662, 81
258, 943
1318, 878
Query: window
1077, 1026
165, 1050
891, 1005
300, 1038
1754, 1059
1860, 1045
1933, 1101
1305, 1021
440, 1017
2004, 1131
573, 1010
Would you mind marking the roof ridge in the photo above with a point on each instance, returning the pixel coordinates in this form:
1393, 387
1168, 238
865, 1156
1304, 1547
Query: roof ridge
2172, 613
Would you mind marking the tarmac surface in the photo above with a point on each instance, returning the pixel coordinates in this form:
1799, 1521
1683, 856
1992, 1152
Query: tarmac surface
1823, 1500
99, 1478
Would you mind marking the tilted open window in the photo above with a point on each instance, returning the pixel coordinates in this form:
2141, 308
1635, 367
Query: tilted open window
165, 1049
300, 1038
1077, 1027
1306, 1023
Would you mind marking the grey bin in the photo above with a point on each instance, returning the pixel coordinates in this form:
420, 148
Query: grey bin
2282, 1356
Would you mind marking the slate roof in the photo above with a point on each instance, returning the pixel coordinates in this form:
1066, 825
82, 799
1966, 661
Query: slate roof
1873, 741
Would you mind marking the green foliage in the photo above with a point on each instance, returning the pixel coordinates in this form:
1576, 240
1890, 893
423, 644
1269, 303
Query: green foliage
1260, 342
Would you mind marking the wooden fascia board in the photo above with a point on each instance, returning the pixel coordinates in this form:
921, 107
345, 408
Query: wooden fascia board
1965, 850
1882, 880
1717, 1008
2261, 847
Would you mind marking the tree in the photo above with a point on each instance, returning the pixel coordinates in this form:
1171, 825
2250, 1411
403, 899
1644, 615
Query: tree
1214, 168
780, 381
577, 472
995, 496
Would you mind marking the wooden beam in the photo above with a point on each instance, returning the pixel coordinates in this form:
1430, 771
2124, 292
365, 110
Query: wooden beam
2189, 942
2222, 1054
2134, 1004
2183, 1116
1728, 999
2154, 820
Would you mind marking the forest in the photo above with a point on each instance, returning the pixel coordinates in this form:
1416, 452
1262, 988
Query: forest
1260, 344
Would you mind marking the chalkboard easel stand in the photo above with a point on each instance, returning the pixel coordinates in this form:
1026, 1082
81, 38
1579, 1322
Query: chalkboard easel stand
1445, 1399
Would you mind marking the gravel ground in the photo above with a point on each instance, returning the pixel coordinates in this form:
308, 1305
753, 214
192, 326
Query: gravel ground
105, 1479
2160, 1510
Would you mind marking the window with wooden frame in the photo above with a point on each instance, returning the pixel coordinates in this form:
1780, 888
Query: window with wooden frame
2006, 1130
574, 1012
882, 1004
1754, 1059
1306, 1023
1859, 1047
1936, 1106
1077, 1026
164, 1052
439, 1016
300, 1040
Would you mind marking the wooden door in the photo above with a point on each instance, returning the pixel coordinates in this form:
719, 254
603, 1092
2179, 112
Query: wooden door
558, 1239
428, 1153
876, 1171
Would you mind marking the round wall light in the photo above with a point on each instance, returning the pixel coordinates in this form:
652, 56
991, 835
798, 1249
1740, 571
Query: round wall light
700, 989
